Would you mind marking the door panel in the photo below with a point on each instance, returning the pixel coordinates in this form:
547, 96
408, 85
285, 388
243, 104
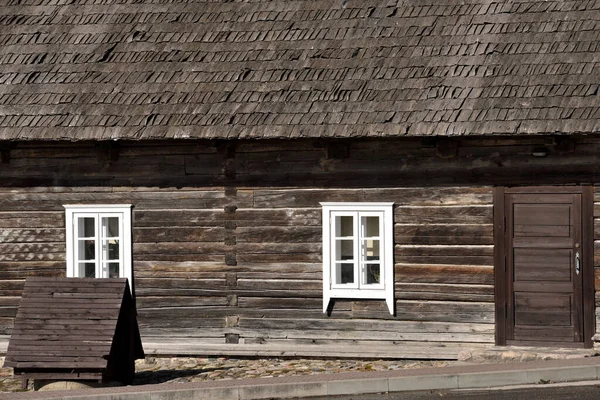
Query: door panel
544, 297
530, 264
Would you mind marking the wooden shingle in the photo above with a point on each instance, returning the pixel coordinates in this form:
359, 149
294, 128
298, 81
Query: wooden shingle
121, 69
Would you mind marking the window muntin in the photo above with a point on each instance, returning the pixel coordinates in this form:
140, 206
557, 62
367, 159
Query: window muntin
99, 241
358, 251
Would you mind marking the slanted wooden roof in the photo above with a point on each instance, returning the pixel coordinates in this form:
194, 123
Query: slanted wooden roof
67, 327
128, 69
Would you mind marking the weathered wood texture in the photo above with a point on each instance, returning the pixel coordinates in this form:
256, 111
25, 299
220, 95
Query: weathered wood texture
227, 236
597, 255
70, 327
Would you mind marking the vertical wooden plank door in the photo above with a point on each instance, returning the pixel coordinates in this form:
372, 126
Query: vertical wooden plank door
543, 264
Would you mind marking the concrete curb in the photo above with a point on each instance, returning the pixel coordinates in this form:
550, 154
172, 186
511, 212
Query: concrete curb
340, 384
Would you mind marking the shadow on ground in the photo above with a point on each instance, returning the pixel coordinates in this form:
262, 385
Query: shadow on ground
167, 375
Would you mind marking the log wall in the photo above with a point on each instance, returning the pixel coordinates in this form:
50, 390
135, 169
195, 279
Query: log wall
227, 235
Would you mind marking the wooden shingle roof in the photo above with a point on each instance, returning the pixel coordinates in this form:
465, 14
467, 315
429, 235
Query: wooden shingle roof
154, 69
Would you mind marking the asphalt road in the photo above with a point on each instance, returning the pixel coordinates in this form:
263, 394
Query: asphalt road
587, 392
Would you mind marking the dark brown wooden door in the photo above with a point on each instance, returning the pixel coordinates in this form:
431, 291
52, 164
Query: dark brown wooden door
544, 256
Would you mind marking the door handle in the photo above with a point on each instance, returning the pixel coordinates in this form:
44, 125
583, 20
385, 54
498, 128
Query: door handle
577, 263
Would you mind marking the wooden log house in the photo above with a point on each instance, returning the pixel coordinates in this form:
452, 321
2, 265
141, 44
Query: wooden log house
309, 177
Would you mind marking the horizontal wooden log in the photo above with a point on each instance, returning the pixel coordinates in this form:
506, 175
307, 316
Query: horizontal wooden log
178, 234
342, 311
6, 325
457, 214
12, 284
32, 251
428, 296
32, 220
161, 283
321, 327
280, 283
443, 234
180, 301
444, 254
166, 218
180, 251
277, 293
443, 311
198, 199
296, 258
181, 269
288, 234
278, 156
404, 196
279, 248
379, 343
19, 270
8, 312
203, 164
31, 235
260, 275
444, 288
158, 147
278, 217
178, 274
444, 273
142, 166
11, 288
278, 267
273, 303
148, 321
276, 328
176, 291
80, 284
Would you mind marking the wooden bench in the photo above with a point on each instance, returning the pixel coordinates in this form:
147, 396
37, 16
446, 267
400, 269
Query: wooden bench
75, 329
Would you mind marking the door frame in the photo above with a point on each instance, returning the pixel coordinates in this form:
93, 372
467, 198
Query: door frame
587, 249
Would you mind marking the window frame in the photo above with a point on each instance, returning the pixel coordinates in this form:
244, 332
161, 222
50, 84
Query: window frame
123, 211
358, 289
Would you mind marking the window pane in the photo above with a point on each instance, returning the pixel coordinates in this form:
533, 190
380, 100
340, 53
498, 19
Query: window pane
373, 273
86, 227
371, 250
111, 226
87, 270
370, 226
113, 249
344, 226
113, 270
345, 273
344, 250
87, 249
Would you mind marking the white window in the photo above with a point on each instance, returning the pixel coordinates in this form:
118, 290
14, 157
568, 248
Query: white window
99, 241
358, 252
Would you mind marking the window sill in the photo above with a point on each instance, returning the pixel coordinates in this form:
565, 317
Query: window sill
359, 294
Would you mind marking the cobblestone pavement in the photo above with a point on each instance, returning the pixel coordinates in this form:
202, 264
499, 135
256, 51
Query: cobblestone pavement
155, 370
